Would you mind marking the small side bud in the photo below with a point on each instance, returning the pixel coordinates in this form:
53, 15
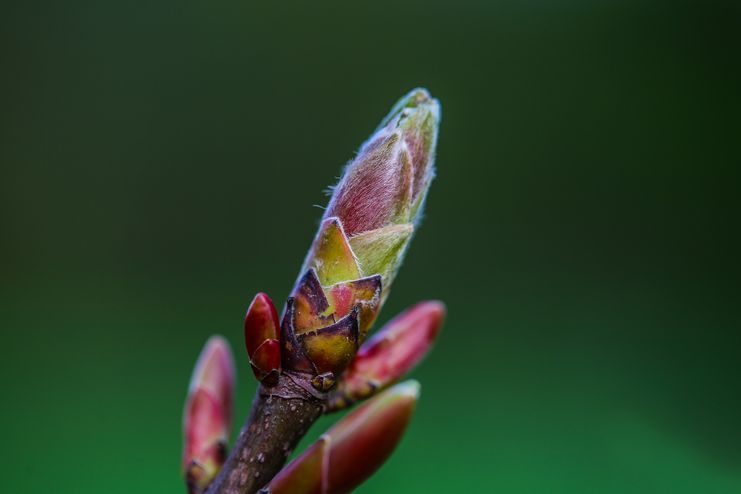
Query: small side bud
389, 354
351, 451
323, 382
261, 337
208, 415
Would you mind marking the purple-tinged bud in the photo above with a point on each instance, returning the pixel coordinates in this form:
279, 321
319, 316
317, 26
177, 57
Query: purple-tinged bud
351, 451
208, 414
361, 242
389, 354
376, 189
386, 183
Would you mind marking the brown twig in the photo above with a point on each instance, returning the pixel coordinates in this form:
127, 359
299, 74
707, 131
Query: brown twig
279, 418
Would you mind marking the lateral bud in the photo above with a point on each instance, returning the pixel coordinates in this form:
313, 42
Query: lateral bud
208, 415
261, 337
389, 354
351, 451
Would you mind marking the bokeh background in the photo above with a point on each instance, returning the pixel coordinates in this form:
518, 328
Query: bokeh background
161, 163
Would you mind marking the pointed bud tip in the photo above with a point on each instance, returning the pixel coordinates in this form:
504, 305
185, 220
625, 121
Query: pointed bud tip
261, 333
215, 365
410, 388
218, 345
262, 304
386, 184
418, 98
419, 95
434, 312
260, 322
207, 413
261, 298
432, 308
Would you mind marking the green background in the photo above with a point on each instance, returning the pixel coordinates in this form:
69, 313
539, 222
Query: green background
161, 161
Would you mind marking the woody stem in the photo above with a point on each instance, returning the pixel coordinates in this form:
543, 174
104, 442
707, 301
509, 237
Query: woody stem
279, 418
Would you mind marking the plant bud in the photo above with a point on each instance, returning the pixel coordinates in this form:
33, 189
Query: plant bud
208, 414
362, 240
386, 183
389, 354
351, 451
261, 332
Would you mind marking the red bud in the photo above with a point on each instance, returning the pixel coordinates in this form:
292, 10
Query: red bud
261, 337
390, 353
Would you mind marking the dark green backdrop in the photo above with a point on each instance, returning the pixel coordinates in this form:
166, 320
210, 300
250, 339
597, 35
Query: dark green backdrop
161, 161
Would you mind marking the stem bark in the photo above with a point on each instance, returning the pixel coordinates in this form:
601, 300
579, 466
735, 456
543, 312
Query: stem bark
280, 417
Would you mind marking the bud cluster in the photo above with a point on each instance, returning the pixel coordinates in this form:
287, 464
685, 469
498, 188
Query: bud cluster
320, 338
355, 255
